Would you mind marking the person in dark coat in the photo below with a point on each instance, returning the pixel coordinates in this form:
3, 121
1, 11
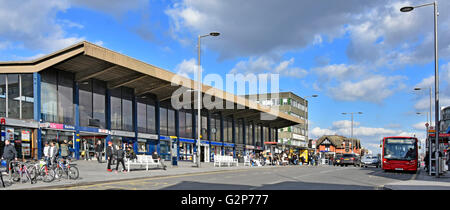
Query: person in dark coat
99, 151
109, 155
9, 154
120, 154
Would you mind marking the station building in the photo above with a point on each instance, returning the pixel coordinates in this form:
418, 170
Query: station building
86, 93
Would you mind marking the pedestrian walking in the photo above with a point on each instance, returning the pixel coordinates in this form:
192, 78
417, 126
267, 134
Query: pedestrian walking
9, 154
64, 150
109, 155
120, 154
99, 151
52, 153
46, 155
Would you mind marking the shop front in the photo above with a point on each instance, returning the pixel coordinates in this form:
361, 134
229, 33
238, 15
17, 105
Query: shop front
21, 134
216, 149
249, 149
228, 149
204, 151
240, 152
165, 147
186, 149
89, 137
57, 133
147, 143
123, 138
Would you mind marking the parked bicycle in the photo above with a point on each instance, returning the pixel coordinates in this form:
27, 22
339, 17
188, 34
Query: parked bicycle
22, 172
63, 167
44, 171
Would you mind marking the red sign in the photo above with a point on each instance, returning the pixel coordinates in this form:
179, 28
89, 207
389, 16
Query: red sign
2, 121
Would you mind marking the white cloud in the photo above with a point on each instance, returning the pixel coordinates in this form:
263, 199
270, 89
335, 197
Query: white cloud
187, 68
373, 89
266, 64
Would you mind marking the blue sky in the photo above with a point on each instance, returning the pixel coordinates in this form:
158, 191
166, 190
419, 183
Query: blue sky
358, 56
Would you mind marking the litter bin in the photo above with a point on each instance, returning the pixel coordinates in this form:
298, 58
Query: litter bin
174, 161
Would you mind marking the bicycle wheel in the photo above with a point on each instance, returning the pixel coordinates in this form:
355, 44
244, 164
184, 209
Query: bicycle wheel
48, 174
59, 172
73, 172
32, 172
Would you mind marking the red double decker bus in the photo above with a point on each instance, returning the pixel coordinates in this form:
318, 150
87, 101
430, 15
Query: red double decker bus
399, 154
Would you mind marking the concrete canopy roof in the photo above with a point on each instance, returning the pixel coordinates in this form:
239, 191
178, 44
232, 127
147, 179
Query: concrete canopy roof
87, 60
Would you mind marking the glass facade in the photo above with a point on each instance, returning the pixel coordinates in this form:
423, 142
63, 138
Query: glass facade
16, 96
163, 121
57, 97
92, 104
146, 115
122, 109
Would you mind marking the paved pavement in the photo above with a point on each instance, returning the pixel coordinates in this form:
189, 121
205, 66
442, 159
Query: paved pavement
422, 181
94, 172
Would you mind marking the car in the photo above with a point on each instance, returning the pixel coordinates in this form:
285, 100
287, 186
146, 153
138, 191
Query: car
337, 160
350, 159
367, 161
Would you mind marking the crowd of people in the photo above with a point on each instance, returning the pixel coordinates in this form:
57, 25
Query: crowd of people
284, 158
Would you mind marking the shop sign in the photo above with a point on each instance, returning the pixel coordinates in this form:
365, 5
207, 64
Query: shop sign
2, 121
249, 147
25, 135
122, 133
107, 131
69, 127
228, 145
299, 137
147, 136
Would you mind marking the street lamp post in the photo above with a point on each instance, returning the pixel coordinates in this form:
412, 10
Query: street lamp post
436, 77
431, 119
352, 120
199, 94
429, 147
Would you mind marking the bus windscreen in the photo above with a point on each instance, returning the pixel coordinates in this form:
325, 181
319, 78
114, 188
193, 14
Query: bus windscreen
400, 149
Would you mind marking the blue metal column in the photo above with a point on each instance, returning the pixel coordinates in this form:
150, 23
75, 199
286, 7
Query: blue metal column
157, 123
194, 134
76, 98
208, 133
135, 125
177, 133
233, 135
254, 134
221, 133
108, 115
244, 136
37, 110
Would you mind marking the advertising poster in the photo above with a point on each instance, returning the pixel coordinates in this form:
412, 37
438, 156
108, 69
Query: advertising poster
26, 149
9, 133
25, 135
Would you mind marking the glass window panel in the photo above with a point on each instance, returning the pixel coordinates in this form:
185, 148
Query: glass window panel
171, 122
142, 117
127, 109
13, 96
2, 95
151, 119
99, 102
189, 133
182, 123
85, 102
65, 98
116, 109
49, 95
204, 128
27, 96
163, 121
213, 126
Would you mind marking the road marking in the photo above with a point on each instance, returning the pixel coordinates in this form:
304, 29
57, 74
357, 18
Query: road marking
148, 179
